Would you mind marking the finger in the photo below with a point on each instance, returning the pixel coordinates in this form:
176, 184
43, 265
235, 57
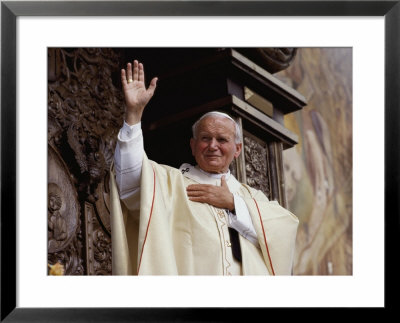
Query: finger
201, 190
123, 77
198, 187
198, 199
128, 71
141, 73
135, 70
195, 193
152, 86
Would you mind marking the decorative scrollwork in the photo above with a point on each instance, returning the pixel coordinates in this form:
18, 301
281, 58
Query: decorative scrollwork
256, 164
98, 244
57, 226
64, 233
85, 112
70, 257
102, 253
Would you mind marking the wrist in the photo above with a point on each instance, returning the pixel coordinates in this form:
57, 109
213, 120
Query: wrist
132, 118
232, 204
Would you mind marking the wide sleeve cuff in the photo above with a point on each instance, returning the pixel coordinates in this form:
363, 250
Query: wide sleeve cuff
241, 220
128, 132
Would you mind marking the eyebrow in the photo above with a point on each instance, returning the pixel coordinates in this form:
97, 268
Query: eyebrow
224, 135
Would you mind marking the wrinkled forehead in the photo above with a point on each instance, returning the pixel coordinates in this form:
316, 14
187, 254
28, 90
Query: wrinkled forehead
216, 124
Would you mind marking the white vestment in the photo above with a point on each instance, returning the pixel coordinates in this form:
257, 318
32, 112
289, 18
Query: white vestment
128, 158
157, 230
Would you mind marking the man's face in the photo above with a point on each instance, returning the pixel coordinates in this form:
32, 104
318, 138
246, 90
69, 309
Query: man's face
214, 147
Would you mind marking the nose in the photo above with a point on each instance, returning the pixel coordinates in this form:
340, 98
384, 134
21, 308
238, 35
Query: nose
213, 144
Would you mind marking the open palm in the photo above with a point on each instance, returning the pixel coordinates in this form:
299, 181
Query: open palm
135, 92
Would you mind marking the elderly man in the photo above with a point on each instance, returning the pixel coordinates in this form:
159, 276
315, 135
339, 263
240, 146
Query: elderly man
198, 220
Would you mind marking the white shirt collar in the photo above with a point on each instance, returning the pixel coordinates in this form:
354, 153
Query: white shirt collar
203, 177
212, 175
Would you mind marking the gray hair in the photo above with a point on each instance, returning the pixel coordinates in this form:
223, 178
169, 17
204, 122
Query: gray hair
217, 114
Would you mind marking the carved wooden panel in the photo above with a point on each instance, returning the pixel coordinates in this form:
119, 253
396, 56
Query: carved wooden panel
256, 159
98, 256
64, 225
260, 165
84, 116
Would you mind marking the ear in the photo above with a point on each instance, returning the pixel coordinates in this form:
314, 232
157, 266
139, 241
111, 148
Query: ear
238, 150
192, 143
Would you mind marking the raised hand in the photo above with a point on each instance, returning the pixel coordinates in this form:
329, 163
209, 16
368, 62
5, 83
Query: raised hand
135, 92
218, 196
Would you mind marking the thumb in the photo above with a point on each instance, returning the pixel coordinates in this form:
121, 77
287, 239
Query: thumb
152, 86
223, 181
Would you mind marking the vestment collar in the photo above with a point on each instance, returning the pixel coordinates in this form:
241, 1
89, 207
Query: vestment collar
202, 177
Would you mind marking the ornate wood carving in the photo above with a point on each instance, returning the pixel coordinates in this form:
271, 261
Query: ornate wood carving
257, 170
85, 112
84, 116
64, 232
98, 251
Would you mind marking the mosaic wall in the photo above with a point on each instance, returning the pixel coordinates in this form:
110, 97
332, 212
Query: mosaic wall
318, 171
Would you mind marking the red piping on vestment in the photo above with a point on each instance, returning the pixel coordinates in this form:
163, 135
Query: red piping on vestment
148, 224
265, 238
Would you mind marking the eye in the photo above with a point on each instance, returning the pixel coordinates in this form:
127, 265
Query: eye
222, 140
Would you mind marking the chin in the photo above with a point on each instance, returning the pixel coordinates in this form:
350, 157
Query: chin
212, 167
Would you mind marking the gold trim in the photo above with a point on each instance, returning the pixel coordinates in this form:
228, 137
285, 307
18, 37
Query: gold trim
222, 224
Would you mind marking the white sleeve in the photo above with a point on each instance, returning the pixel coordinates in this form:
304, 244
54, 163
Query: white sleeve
241, 220
128, 159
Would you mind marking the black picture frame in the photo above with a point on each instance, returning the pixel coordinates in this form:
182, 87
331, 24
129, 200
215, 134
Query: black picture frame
10, 10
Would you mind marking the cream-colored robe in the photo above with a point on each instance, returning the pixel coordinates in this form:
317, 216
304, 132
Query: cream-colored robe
159, 231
